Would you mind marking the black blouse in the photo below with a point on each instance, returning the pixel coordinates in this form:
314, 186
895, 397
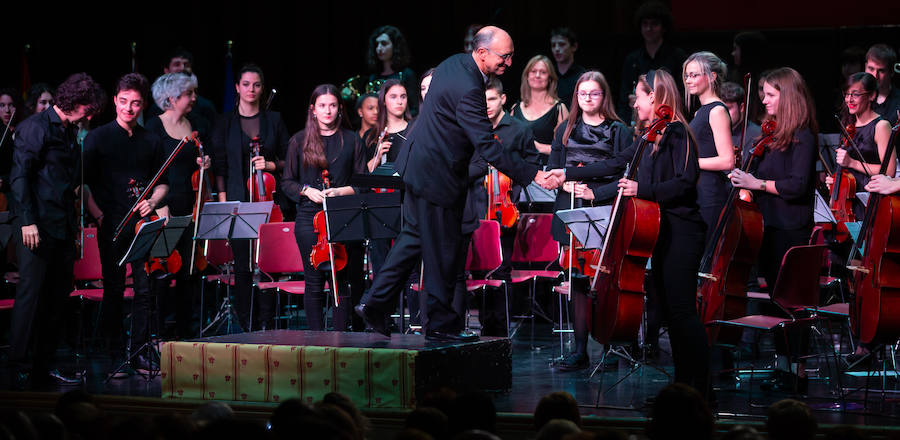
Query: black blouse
345, 156
668, 177
396, 139
793, 171
180, 197
230, 150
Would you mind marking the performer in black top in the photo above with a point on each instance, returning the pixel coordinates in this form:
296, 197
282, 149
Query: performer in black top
11, 112
703, 73
596, 134
563, 44
118, 155
230, 150
388, 57
880, 59
539, 106
434, 165
668, 174
324, 145
733, 95
393, 123
873, 133
176, 94
784, 181
46, 170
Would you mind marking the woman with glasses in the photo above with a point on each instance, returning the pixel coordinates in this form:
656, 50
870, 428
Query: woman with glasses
872, 134
591, 133
703, 74
539, 107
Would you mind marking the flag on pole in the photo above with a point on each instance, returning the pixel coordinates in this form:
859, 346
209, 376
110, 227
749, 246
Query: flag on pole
26, 75
229, 96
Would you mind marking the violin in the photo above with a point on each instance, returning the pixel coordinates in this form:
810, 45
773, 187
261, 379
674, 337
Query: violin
324, 251
630, 238
730, 254
200, 183
159, 267
875, 314
262, 184
843, 190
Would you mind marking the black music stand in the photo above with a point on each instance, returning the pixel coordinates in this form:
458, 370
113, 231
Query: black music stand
364, 217
230, 221
155, 239
588, 225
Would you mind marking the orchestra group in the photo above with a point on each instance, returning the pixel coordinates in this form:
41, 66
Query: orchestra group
668, 146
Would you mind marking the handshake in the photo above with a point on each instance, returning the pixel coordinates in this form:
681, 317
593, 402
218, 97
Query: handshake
550, 180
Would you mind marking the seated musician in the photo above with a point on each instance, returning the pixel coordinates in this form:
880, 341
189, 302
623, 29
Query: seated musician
321, 146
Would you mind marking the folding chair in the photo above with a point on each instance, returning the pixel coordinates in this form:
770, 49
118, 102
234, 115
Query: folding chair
534, 246
279, 255
485, 256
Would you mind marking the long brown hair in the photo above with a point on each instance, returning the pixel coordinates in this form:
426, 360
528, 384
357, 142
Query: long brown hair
313, 145
607, 109
665, 92
795, 106
381, 123
552, 79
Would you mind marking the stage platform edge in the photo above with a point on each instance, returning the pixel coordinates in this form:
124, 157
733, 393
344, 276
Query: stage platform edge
375, 372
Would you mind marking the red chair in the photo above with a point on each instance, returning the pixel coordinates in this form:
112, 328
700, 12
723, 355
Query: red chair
485, 256
534, 246
279, 255
796, 290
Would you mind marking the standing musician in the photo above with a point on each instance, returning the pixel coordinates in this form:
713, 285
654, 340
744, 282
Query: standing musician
230, 150
323, 145
43, 179
11, 112
117, 155
592, 133
703, 73
784, 181
433, 163
367, 109
668, 174
540, 107
872, 135
392, 125
732, 95
880, 59
388, 57
176, 95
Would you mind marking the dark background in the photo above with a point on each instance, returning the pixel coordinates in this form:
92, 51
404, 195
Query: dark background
302, 44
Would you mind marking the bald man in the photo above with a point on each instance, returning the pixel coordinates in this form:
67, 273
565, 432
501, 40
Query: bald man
433, 163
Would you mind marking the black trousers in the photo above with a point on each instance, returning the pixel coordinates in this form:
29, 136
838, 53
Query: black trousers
314, 298
675, 262
111, 309
432, 233
45, 281
264, 304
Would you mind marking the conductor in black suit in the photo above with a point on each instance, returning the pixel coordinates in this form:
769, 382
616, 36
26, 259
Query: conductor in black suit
433, 163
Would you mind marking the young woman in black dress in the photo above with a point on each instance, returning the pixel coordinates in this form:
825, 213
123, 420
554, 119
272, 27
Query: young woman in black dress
703, 73
322, 145
230, 149
667, 174
539, 107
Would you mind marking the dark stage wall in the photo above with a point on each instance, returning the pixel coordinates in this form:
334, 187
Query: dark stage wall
301, 44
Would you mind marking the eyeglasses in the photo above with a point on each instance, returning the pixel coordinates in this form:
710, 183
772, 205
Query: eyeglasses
692, 75
854, 95
506, 57
596, 94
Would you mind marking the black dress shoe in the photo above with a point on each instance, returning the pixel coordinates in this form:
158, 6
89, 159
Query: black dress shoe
374, 319
572, 362
463, 336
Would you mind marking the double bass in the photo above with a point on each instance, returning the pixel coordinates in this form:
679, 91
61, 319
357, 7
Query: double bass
630, 239
875, 314
731, 251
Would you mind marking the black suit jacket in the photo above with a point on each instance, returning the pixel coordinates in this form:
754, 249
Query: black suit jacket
452, 125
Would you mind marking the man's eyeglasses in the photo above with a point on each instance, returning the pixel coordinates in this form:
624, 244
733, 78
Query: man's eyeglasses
506, 57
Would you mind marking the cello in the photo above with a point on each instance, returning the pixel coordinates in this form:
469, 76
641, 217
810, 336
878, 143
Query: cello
875, 314
324, 251
630, 239
262, 184
731, 251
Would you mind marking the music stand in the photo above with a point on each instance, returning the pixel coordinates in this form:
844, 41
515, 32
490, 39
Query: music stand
364, 217
535, 193
230, 221
382, 177
588, 225
822, 212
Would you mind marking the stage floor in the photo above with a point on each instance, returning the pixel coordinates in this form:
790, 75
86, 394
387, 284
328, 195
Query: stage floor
533, 377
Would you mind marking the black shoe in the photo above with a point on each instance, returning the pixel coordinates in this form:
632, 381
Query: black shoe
463, 336
573, 362
374, 319
144, 365
784, 383
58, 378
